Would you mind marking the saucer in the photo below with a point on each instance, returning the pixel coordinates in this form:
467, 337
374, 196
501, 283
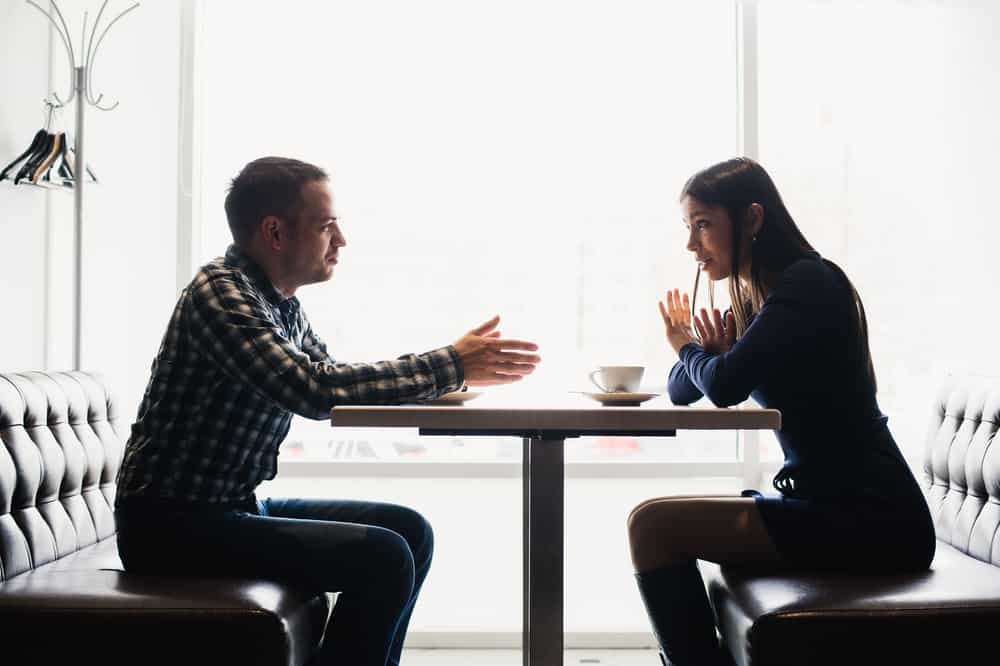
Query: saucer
620, 399
454, 398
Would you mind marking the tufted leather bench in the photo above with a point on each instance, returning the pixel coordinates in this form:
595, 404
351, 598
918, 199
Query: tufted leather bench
946, 615
64, 597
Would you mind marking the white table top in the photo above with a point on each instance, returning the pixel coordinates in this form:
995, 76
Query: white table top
568, 416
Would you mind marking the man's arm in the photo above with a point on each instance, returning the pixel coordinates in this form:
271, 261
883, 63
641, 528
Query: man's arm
313, 345
236, 332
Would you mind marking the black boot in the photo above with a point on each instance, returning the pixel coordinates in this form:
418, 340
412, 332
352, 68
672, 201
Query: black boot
681, 616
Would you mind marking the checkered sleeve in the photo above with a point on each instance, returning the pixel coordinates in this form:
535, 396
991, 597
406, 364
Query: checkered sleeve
313, 345
237, 331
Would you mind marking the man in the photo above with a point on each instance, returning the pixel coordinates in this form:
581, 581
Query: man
238, 359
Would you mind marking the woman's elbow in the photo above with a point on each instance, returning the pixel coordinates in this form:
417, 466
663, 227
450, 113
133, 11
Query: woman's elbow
723, 396
682, 396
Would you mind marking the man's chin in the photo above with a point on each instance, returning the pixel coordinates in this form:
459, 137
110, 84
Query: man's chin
320, 276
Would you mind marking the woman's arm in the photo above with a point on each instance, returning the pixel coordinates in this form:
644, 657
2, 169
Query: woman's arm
680, 388
785, 331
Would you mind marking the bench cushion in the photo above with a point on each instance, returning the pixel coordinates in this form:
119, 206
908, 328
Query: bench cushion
811, 618
943, 615
64, 597
84, 604
962, 466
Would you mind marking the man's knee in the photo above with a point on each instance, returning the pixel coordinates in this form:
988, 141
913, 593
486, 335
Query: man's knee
416, 530
388, 560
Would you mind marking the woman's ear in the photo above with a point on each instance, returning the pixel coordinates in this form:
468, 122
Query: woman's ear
755, 215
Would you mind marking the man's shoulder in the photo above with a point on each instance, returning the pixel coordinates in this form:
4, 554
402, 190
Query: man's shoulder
218, 273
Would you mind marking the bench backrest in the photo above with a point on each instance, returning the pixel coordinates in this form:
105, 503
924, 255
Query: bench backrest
60, 454
962, 467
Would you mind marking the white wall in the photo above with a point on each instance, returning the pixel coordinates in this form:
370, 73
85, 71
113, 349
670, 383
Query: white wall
23, 81
129, 218
130, 244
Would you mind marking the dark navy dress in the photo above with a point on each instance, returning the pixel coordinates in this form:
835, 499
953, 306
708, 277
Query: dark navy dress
847, 499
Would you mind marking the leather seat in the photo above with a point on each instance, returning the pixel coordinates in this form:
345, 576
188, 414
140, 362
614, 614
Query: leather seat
944, 615
64, 597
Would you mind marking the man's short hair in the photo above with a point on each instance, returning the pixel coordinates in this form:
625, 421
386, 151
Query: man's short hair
267, 186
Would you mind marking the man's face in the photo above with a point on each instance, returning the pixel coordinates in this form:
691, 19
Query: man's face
315, 239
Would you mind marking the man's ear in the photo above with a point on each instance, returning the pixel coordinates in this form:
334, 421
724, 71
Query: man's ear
272, 231
755, 215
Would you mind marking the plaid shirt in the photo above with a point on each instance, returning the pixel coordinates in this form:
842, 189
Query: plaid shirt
236, 361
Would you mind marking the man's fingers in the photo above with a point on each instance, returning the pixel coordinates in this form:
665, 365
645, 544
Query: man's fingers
513, 368
486, 326
492, 334
501, 345
494, 378
515, 357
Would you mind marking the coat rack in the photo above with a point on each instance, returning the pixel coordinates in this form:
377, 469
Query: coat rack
81, 89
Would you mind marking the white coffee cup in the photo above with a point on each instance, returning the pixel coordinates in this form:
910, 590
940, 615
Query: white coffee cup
618, 378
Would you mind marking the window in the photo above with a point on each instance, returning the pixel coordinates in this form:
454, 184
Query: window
877, 150
521, 158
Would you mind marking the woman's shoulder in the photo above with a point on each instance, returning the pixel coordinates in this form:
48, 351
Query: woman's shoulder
809, 276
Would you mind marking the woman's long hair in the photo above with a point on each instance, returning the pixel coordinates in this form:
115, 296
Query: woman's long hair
736, 184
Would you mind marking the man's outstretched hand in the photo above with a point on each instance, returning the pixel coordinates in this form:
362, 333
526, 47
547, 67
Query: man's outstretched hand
488, 359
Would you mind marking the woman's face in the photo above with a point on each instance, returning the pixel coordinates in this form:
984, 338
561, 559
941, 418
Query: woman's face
710, 237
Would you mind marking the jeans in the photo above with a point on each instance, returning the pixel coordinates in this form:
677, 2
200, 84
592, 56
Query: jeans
375, 554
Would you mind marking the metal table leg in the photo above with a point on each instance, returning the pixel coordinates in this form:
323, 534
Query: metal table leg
543, 478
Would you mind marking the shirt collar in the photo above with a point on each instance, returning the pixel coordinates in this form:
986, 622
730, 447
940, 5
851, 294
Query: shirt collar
236, 258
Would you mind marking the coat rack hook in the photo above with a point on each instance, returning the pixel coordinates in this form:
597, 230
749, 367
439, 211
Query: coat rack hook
92, 56
48, 121
63, 32
88, 52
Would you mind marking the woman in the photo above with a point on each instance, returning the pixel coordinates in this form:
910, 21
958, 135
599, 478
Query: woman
796, 340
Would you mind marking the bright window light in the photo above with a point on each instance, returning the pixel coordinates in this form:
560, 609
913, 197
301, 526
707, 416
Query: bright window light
520, 157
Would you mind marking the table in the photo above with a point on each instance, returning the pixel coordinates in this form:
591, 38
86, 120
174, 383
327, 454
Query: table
544, 431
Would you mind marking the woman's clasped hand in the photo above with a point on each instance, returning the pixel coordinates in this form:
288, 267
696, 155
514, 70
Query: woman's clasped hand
715, 333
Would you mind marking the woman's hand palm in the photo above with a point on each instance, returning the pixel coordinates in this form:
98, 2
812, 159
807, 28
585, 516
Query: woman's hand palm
715, 333
718, 334
676, 313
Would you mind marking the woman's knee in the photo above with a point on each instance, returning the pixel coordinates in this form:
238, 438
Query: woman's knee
652, 514
720, 529
648, 527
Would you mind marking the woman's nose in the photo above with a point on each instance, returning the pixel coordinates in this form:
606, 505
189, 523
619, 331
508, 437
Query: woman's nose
692, 246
